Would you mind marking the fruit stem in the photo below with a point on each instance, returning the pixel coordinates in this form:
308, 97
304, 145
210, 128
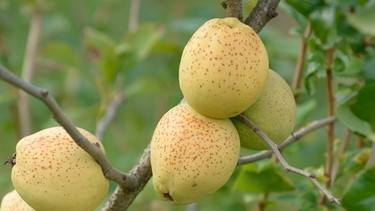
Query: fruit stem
233, 8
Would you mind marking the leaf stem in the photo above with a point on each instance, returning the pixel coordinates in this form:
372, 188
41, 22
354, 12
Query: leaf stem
298, 72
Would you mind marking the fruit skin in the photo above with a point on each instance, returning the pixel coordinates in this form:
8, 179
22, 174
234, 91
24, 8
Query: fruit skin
53, 173
13, 202
192, 155
223, 68
274, 113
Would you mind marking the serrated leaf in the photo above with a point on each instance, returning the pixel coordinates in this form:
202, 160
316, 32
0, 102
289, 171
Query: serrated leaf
361, 193
261, 177
364, 20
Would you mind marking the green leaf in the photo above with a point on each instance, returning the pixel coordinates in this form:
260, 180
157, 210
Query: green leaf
261, 177
59, 52
361, 193
323, 25
305, 7
350, 120
143, 86
365, 103
305, 110
300, 18
315, 64
138, 44
364, 20
353, 162
100, 48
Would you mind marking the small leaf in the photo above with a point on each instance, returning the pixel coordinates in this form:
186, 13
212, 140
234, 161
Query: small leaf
261, 177
361, 193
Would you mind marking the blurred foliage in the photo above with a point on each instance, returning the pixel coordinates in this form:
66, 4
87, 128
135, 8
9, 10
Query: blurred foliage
87, 54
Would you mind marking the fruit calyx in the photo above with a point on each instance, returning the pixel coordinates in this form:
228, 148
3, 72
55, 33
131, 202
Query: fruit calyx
169, 197
11, 161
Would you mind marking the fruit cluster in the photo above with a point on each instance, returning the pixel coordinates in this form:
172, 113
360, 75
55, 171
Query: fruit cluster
51, 172
224, 71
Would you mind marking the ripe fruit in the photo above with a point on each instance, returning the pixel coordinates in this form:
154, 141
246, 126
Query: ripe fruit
13, 202
274, 113
223, 68
192, 155
53, 173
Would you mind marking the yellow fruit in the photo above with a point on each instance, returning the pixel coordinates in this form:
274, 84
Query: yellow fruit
13, 202
53, 173
192, 155
223, 68
274, 113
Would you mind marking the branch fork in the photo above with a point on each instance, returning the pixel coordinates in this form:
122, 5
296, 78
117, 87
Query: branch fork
288, 168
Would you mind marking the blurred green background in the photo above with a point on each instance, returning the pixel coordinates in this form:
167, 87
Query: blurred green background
88, 52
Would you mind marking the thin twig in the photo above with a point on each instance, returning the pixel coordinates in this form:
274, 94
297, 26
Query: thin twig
330, 111
298, 72
126, 180
133, 14
233, 8
24, 114
287, 167
264, 11
336, 162
292, 138
110, 113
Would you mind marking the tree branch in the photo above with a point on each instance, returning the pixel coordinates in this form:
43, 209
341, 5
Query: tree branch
125, 180
110, 113
292, 138
264, 11
287, 167
298, 72
233, 8
121, 199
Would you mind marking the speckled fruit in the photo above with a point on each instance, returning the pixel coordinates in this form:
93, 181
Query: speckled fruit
13, 202
274, 113
53, 173
223, 68
192, 155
